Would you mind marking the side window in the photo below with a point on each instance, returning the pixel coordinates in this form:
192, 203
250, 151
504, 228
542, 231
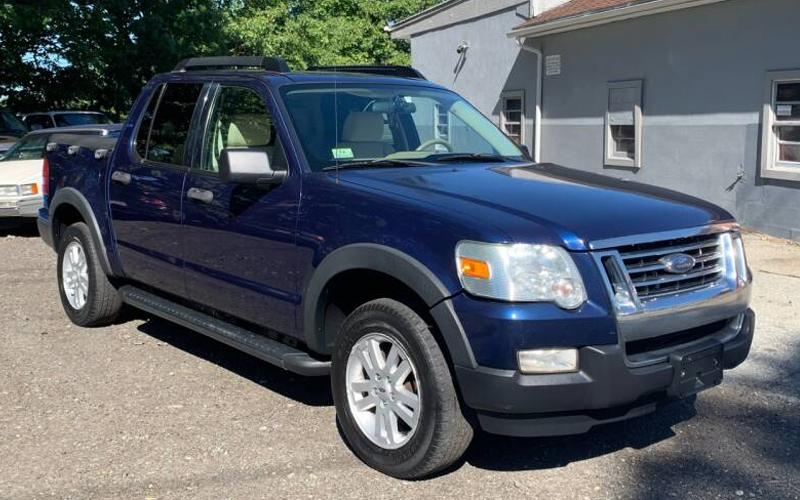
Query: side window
512, 117
239, 119
147, 122
39, 122
623, 134
780, 142
171, 124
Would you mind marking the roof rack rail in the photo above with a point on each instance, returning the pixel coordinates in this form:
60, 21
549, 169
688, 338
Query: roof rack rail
274, 64
384, 70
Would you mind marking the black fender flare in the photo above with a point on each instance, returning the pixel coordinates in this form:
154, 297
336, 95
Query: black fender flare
399, 265
74, 198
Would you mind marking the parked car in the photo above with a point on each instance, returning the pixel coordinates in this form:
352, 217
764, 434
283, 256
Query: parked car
312, 219
58, 119
11, 129
21, 183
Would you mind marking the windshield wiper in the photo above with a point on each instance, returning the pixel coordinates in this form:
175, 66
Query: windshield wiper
470, 157
378, 163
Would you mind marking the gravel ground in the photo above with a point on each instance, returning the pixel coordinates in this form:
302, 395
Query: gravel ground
148, 410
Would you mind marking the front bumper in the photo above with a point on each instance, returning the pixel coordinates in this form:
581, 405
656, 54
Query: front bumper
606, 389
20, 207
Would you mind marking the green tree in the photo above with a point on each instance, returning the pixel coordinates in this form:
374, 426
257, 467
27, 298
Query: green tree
98, 53
314, 32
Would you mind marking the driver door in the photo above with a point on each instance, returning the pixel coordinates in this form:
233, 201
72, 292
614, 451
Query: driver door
239, 239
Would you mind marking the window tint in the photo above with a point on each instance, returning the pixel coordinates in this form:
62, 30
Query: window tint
170, 128
240, 119
147, 121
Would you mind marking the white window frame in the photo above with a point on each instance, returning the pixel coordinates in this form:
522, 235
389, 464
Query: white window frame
608, 151
437, 114
771, 166
504, 97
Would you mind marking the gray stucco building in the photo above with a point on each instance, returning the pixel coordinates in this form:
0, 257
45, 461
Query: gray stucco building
700, 96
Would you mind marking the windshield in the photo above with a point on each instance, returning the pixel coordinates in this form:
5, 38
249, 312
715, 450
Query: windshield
70, 119
343, 124
29, 148
11, 125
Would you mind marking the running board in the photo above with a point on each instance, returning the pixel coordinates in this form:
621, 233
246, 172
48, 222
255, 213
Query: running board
264, 348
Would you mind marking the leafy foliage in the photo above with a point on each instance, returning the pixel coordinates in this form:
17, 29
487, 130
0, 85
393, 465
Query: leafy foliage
98, 53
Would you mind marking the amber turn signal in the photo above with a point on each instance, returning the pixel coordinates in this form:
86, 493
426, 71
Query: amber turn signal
473, 268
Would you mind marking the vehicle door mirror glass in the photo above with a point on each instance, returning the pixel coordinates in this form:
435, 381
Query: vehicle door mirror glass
248, 166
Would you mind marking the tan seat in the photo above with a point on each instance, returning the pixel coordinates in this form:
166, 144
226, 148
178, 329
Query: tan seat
362, 133
244, 131
249, 131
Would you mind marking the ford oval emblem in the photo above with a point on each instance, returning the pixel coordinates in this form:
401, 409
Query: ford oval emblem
678, 263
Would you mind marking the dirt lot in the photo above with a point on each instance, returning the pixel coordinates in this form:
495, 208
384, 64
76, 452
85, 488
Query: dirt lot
148, 410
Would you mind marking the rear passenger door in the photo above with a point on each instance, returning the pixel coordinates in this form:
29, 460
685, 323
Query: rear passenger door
240, 239
146, 187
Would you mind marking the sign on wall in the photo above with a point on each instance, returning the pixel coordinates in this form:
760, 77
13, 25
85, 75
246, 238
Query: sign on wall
553, 65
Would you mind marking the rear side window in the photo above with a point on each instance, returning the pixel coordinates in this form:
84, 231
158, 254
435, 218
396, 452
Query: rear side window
170, 126
38, 122
147, 121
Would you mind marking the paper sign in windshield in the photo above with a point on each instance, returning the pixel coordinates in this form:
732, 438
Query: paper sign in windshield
342, 153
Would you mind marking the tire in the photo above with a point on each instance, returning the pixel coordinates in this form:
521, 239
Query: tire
441, 433
101, 303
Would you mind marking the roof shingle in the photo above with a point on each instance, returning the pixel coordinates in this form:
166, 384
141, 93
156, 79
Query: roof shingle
577, 8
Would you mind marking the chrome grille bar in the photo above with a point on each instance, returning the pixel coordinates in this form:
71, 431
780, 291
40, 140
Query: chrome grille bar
650, 279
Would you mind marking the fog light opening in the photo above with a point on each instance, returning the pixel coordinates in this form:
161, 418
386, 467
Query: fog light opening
551, 360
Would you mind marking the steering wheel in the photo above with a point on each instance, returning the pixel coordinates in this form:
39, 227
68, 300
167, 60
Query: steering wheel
434, 142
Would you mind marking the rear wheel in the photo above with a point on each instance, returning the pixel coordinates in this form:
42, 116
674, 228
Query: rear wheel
394, 393
88, 297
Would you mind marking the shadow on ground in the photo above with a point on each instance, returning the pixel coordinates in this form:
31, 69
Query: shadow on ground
311, 391
731, 421
745, 443
25, 229
487, 451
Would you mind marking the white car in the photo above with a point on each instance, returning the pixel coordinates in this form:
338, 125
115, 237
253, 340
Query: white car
21, 170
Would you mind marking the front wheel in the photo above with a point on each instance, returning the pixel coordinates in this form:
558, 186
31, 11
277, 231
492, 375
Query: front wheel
394, 393
88, 297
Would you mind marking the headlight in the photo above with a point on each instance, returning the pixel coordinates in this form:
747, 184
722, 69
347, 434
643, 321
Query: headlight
28, 189
9, 190
520, 273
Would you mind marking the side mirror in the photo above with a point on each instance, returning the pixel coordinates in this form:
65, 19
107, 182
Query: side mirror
248, 166
525, 150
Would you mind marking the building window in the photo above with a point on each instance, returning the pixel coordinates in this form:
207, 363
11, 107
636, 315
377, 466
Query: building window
780, 142
512, 117
623, 131
441, 122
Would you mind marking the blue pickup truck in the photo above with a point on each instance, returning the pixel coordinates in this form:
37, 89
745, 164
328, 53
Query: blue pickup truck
369, 225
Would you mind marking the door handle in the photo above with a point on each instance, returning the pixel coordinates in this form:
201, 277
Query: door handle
198, 194
121, 177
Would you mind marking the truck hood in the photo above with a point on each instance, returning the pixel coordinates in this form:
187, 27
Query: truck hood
546, 202
20, 172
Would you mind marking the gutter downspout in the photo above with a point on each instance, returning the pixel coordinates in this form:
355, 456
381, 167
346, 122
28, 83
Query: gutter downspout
537, 119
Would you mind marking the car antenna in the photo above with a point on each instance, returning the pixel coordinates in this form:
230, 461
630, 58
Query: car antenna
336, 118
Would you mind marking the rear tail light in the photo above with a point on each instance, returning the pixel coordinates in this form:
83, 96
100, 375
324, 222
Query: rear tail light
45, 177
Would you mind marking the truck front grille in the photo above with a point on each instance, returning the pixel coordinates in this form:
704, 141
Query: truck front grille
650, 277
